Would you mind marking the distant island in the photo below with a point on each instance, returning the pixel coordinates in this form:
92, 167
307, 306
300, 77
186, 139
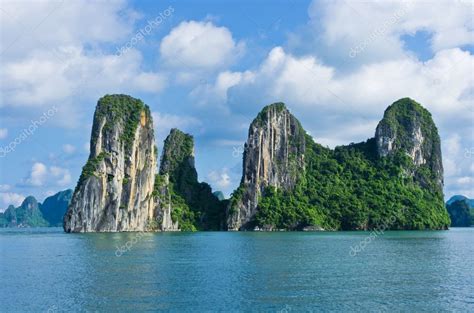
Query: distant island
289, 182
461, 211
31, 213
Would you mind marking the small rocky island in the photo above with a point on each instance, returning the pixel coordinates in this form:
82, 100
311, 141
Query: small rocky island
289, 182
119, 189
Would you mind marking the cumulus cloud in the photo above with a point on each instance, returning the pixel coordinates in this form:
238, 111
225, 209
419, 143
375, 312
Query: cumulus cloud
164, 122
37, 174
10, 198
195, 47
199, 45
41, 78
219, 178
27, 26
215, 94
370, 31
311, 88
61, 175
42, 66
41, 175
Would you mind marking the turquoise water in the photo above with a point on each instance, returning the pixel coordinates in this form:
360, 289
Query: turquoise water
45, 270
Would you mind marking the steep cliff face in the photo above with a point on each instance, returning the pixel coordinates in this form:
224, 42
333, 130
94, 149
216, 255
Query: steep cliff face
181, 201
177, 160
392, 181
164, 205
273, 156
407, 127
114, 192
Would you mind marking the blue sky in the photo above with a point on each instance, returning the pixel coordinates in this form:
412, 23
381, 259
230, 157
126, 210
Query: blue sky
208, 67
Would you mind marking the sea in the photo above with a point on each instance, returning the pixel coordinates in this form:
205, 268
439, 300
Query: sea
47, 270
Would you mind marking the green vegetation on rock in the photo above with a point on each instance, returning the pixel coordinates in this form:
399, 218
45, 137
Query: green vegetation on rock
121, 112
55, 206
31, 213
121, 109
348, 188
193, 204
263, 114
353, 188
90, 168
27, 214
461, 214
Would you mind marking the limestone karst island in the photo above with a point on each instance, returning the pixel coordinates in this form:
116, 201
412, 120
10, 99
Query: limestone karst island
289, 181
236, 156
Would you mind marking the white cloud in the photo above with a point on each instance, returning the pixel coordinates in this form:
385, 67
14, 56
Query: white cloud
194, 48
42, 79
27, 25
3, 133
7, 198
215, 94
37, 174
42, 175
4, 188
465, 180
312, 88
463, 185
61, 175
376, 27
68, 148
451, 150
220, 178
164, 122
42, 66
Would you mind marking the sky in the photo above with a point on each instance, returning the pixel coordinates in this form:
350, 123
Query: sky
209, 67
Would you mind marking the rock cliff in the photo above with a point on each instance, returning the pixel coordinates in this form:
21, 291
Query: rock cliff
164, 205
273, 156
114, 191
409, 128
181, 200
289, 181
